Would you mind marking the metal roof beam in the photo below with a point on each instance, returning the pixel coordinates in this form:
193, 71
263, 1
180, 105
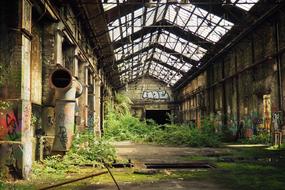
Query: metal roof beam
134, 54
162, 48
219, 8
168, 66
176, 54
125, 8
165, 25
158, 62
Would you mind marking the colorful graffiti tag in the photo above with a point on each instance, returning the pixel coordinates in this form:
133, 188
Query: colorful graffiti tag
9, 126
155, 95
267, 112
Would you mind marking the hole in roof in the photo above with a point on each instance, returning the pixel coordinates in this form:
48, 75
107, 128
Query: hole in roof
177, 55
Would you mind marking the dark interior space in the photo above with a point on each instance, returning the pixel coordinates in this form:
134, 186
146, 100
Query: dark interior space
159, 116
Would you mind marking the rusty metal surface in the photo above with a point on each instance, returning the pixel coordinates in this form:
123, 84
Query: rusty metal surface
64, 125
189, 165
66, 90
74, 180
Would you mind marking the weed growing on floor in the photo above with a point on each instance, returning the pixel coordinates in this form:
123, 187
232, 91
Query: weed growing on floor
249, 176
86, 149
121, 125
260, 138
6, 186
186, 135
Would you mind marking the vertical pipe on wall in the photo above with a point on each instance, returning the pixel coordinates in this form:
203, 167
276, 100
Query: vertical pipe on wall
224, 115
213, 91
58, 47
86, 106
278, 62
67, 89
101, 108
237, 88
94, 103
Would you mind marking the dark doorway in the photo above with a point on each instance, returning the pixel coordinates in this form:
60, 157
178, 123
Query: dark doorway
159, 116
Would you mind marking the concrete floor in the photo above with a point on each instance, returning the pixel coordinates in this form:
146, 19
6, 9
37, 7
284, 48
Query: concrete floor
159, 185
145, 153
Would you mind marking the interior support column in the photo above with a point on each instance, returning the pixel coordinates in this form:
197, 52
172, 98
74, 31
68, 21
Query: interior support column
98, 106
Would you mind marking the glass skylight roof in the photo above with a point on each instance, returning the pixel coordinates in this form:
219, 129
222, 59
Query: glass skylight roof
134, 22
167, 65
244, 4
110, 4
198, 21
181, 46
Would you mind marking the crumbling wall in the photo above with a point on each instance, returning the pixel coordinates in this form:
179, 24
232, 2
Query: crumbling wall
10, 51
31, 37
11, 124
148, 94
242, 85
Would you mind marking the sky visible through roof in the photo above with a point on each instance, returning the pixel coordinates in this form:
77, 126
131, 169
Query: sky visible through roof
168, 66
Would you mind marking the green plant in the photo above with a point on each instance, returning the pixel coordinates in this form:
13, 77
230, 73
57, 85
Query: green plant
4, 105
187, 135
92, 150
262, 137
121, 125
86, 149
171, 117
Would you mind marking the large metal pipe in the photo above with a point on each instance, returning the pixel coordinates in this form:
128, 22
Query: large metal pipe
67, 89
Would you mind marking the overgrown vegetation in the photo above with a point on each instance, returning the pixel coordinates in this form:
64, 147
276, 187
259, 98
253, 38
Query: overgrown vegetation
4, 105
253, 169
86, 149
121, 125
259, 138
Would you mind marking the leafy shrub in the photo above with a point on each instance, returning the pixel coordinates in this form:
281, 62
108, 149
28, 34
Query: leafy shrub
121, 125
127, 127
262, 137
187, 135
92, 150
86, 149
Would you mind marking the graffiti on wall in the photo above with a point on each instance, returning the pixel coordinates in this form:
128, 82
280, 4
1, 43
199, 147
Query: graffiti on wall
62, 136
91, 121
155, 95
267, 111
9, 126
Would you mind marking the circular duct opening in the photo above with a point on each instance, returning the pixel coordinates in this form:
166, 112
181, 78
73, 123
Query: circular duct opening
61, 78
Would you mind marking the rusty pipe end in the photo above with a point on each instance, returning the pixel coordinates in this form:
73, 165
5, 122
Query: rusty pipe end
61, 79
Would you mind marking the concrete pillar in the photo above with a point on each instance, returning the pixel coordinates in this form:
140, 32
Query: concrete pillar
83, 100
27, 135
92, 110
98, 106
25, 121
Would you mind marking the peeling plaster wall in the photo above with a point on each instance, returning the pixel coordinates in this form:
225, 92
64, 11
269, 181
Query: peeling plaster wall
237, 86
27, 58
14, 91
148, 94
10, 52
36, 65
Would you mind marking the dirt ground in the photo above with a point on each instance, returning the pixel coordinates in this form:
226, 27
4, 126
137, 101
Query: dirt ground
146, 153
159, 185
235, 166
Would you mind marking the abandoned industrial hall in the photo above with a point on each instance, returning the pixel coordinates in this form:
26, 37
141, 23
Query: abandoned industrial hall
63, 62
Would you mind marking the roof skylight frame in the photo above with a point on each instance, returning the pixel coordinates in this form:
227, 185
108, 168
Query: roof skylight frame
169, 75
244, 4
111, 4
210, 27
